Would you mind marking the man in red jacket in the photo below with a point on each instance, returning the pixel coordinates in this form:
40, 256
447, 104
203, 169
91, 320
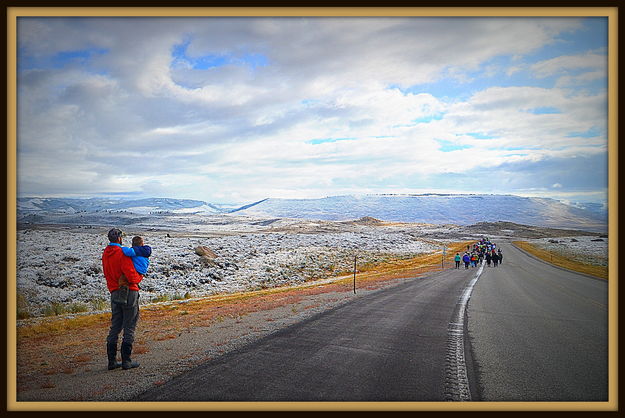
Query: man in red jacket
119, 270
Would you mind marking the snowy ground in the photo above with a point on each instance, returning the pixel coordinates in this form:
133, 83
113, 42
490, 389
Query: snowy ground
61, 264
64, 266
588, 249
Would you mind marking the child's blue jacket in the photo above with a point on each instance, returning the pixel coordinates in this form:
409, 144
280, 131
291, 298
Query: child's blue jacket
139, 257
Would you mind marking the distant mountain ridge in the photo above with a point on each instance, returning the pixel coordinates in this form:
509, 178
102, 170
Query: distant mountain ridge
460, 209
139, 206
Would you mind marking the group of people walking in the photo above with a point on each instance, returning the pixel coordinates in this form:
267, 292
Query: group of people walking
478, 252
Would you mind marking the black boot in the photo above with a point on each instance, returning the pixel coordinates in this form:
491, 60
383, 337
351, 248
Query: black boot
127, 363
111, 352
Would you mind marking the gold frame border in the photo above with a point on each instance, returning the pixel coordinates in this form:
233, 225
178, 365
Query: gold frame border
610, 12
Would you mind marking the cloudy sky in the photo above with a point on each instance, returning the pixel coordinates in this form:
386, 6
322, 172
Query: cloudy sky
233, 110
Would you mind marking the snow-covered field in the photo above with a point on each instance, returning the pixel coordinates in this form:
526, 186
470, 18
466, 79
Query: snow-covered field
59, 266
587, 249
64, 266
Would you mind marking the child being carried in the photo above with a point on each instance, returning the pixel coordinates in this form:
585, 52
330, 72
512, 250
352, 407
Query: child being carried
139, 254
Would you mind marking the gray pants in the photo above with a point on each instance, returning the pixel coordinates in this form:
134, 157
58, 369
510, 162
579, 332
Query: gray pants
124, 316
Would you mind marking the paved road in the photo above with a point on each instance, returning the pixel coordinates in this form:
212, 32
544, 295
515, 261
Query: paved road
536, 333
386, 346
539, 333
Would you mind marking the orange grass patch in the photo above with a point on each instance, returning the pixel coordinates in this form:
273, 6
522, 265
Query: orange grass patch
82, 358
58, 325
561, 261
140, 349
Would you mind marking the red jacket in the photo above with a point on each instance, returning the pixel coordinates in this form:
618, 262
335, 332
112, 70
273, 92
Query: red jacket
114, 263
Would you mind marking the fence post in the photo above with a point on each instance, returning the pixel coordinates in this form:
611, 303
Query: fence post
354, 275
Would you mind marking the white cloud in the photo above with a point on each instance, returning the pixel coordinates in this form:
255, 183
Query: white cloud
134, 118
563, 64
584, 78
514, 69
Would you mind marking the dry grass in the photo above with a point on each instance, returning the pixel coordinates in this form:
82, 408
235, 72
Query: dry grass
140, 349
82, 358
55, 326
166, 337
561, 261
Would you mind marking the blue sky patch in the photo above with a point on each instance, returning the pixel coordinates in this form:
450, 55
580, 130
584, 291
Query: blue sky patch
591, 133
545, 110
448, 146
328, 140
59, 60
307, 102
205, 62
80, 55
255, 60
478, 135
428, 119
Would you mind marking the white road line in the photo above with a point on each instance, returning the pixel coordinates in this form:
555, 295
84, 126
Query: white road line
457, 382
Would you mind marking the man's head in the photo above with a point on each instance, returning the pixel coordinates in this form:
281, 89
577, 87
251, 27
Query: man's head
115, 235
137, 241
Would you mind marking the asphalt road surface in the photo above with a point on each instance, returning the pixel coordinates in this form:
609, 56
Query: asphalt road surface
539, 333
536, 333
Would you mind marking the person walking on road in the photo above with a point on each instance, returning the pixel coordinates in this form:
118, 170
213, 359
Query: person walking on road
122, 281
457, 259
500, 256
473, 260
495, 258
488, 258
466, 260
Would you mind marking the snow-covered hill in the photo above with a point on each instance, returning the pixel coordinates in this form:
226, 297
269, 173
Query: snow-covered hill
138, 206
434, 208
464, 209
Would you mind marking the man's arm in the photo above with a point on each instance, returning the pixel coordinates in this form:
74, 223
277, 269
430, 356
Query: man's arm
128, 269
